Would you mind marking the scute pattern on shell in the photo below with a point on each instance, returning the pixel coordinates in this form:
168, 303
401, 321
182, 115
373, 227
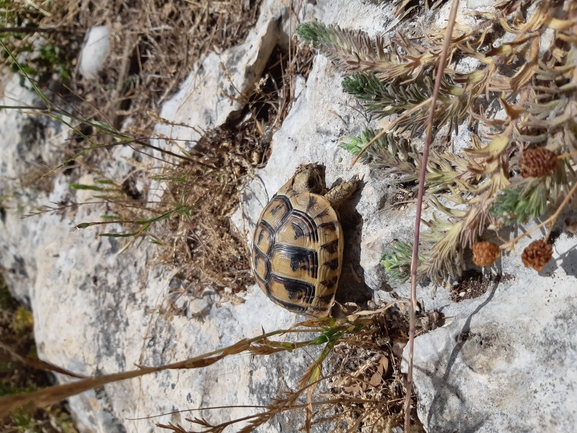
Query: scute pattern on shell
297, 251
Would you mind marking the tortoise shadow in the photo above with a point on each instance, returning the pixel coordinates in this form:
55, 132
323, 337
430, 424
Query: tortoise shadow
352, 287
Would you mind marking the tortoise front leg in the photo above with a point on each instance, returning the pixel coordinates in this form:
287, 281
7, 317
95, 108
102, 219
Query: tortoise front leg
343, 191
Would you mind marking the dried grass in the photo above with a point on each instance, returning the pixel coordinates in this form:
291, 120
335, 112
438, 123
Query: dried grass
364, 389
365, 375
205, 247
20, 371
153, 48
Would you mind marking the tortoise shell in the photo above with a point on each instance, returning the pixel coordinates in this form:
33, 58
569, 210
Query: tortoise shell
298, 244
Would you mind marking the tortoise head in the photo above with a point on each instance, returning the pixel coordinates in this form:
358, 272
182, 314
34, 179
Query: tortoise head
310, 178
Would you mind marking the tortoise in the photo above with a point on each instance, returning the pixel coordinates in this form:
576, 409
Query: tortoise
298, 242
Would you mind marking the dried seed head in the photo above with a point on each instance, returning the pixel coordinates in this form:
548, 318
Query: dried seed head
485, 253
537, 162
537, 254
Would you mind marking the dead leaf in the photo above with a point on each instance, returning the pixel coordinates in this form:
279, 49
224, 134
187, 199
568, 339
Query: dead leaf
353, 388
384, 366
376, 379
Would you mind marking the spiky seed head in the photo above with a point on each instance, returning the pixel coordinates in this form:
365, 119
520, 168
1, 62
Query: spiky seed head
537, 255
537, 162
485, 253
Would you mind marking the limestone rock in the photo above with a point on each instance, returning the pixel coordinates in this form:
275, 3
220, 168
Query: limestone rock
101, 309
215, 89
94, 52
505, 362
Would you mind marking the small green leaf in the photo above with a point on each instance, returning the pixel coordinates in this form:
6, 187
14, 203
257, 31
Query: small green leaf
119, 235
86, 187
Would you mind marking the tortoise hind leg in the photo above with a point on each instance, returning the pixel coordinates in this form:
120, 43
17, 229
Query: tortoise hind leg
343, 191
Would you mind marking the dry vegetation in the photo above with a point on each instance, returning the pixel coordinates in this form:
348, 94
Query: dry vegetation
154, 45
515, 95
153, 48
20, 371
211, 179
359, 388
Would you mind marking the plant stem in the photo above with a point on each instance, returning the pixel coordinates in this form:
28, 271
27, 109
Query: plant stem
422, 174
34, 30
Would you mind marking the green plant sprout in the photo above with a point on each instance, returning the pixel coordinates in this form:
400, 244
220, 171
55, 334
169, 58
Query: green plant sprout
40, 57
397, 261
517, 166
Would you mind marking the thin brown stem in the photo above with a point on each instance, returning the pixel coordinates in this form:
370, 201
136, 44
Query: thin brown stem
35, 30
422, 174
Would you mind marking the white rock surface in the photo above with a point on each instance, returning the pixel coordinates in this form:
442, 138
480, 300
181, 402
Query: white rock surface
215, 89
506, 362
94, 52
98, 310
